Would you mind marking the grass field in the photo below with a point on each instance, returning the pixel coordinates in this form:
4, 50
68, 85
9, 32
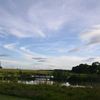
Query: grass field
6, 97
47, 92
16, 71
19, 91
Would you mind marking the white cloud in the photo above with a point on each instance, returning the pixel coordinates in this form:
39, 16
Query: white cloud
48, 15
39, 18
36, 18
16, 63
24, 49
17, 26
90, 39
10, 46
92, 35
25, 53
51, 62
61, 62
90, 60
44, 61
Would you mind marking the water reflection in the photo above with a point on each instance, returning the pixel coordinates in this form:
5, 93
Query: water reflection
35, 82
68, 84
49, 82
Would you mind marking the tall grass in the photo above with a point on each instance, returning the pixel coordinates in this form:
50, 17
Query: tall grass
49, 92
6, 97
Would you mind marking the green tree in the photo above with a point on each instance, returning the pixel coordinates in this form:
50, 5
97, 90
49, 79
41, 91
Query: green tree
59, 75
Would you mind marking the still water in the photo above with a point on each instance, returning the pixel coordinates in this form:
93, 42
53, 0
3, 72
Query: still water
68, 84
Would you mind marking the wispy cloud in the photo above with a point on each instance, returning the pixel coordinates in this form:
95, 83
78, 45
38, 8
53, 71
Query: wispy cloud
75, 49
43, 30
40, 18
39, 59
4, 55
63, 62
92, 35
90, 59
24, 52
11, 46
89, 38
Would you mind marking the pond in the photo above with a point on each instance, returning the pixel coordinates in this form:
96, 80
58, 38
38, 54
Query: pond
51, 82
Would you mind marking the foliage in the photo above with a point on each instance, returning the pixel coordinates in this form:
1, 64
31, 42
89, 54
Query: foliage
6, 97
85, 68
49, 92
60, 75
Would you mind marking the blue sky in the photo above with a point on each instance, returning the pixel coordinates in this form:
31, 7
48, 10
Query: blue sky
49, 34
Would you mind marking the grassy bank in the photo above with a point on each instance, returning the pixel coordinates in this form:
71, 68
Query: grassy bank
49, 92
6, 97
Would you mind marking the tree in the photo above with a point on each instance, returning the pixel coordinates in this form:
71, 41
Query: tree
85, 68
82, 68
95, 68
0, 65
59, 75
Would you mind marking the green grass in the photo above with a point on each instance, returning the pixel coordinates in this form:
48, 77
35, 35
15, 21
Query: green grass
45, 92
49, 92
6, 97
16, 71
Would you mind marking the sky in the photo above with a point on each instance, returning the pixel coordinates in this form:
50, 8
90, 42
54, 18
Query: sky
49, 34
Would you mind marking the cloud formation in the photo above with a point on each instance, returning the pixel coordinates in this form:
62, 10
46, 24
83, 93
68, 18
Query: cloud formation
39, 18
92, 35
90, 38
4, 55
54, 33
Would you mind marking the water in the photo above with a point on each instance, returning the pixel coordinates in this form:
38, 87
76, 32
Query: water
48, 82
51, 82
68, 84
35, 82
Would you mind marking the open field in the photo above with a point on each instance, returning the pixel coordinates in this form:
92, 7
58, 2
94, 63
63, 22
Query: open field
26, 71
28, 75
19, 91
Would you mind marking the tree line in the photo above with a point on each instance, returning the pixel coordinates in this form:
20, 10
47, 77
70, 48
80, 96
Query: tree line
85, 68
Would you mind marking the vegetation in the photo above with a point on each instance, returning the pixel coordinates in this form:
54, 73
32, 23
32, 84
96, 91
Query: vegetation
17, 71
6, 97
0, 66
80, 74
49, 92
60, 75
85, 68
26, 75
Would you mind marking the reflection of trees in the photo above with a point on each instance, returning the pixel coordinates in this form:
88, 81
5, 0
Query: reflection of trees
59, 75
10, 76
25, 76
